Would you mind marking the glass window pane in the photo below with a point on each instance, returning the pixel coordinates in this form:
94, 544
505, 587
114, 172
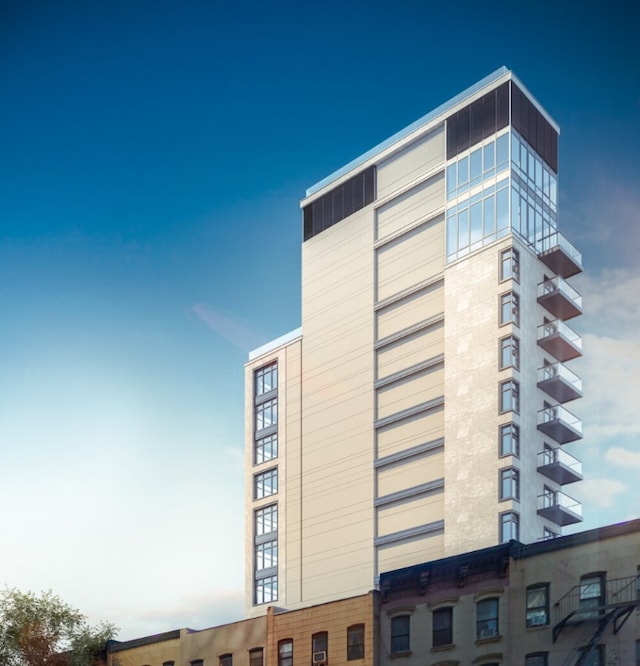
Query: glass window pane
502, 152
452, 181
476, 166
502, 208
476, 223
463, 171
489, 216
489, 156
463, 228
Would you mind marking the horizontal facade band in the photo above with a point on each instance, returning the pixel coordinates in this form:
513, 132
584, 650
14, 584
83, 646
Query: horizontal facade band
409, 453
425, 284
415, 491
410, 330
412, 370
410, 411
421, 530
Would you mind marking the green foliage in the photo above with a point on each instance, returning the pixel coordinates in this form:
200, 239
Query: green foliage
42, 630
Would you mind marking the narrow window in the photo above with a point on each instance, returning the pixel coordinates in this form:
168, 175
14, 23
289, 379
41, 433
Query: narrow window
256, 657
509, 440
537, 659
510, 352
266, 483
266, 448
509, 526
285, 653
442, 627
593, 657
591, 595
510, 396
266, 589
266, 555
548, 534
267, 520
509, 309
549, 498
487, 618
266, 379
509, 484
266, 414
538, 605
197, 662
226, 660
510, 265
400, 634
319, 647
355, 642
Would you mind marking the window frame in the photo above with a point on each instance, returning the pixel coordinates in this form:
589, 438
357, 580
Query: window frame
400, 632
535, 611
493, 619
264, 584
509, 520
263, 408
266, 516
319, 643
441, 636
262, 445
255, 652
509, 308
509, 484
509, 352
270, 370
537, 659
262, 489
225, 659
357, 631
510, 265
511, 388
511, 431
285, 659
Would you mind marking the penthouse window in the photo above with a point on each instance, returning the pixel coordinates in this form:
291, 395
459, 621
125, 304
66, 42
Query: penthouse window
344, 200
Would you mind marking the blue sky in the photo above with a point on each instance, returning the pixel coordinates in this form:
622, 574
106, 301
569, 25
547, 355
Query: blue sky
152, 159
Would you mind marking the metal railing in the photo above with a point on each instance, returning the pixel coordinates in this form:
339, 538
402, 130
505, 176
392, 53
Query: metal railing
560, 284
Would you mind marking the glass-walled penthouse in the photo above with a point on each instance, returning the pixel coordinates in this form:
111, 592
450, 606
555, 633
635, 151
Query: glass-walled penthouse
500, 183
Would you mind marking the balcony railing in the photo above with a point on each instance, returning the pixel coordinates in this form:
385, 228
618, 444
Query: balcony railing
559, 255
560, 298
559, 466
559, 382
560, 508
620, 594
559, 340
559, 424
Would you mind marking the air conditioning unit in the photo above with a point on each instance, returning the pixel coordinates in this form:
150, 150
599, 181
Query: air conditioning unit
488, 633
319, 658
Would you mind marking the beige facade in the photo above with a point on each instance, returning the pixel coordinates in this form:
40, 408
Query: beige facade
568, 601
237, 644
337, 633
420, 405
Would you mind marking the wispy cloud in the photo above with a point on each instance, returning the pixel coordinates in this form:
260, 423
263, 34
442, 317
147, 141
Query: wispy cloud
233, 331
611, 365
617, 455
599, 217
601, 492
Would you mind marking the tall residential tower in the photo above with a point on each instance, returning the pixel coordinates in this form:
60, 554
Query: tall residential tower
419, 412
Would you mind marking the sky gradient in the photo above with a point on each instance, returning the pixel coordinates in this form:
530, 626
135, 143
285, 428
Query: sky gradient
152, 160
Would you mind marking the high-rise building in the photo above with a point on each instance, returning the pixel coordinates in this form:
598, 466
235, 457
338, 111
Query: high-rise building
419, 412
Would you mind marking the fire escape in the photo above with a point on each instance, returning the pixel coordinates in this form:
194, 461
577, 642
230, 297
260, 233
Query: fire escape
595, 604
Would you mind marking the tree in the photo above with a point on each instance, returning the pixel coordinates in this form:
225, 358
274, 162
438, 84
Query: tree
44, 631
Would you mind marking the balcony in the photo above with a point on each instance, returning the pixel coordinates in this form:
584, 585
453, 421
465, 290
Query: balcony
618, 598
559, 508
560, 298
559, 382
556, 252
559, 466
562, 342
559, 424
